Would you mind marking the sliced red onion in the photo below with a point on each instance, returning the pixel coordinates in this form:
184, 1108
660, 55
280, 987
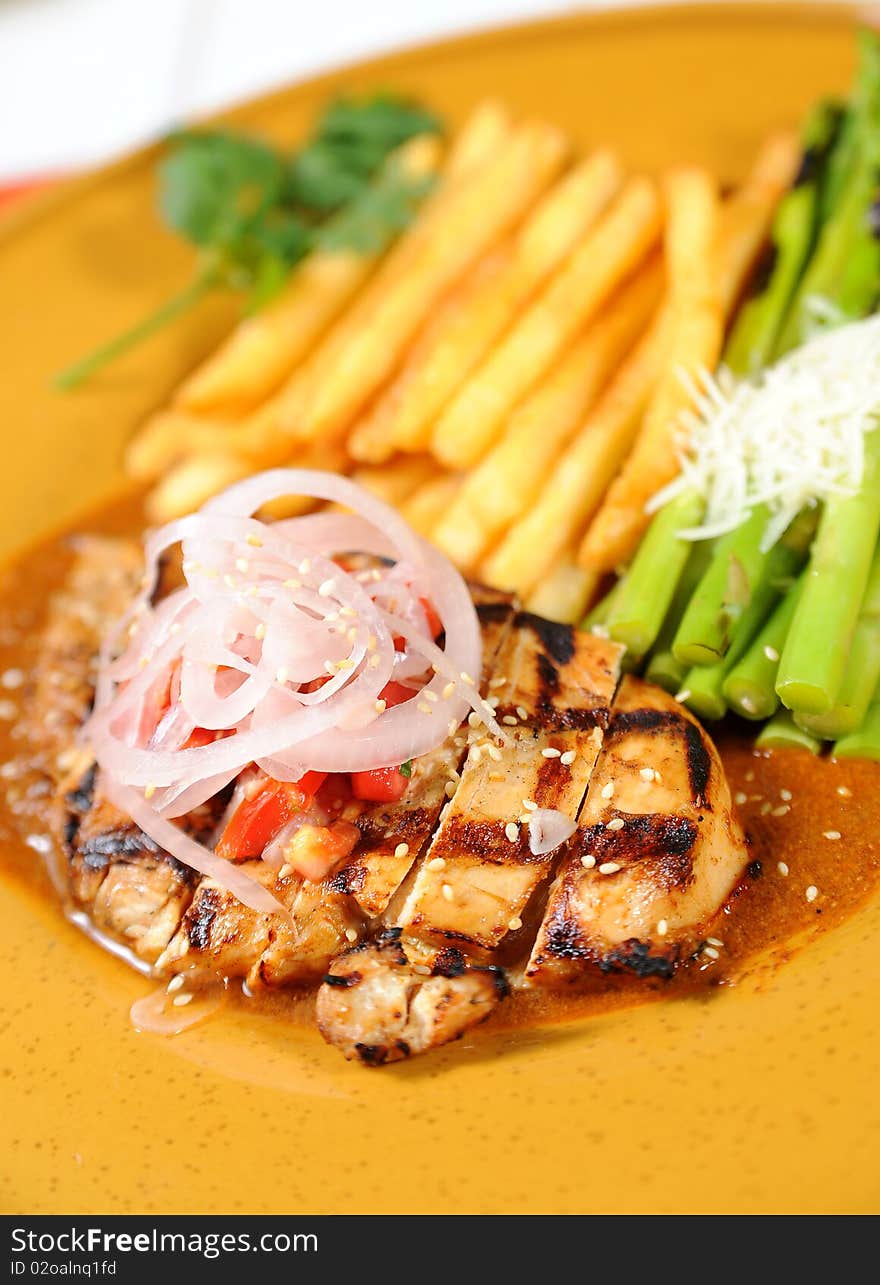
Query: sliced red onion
273, 643
548, 830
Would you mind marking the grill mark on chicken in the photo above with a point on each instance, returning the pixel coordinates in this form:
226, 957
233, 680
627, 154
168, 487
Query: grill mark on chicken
657, 852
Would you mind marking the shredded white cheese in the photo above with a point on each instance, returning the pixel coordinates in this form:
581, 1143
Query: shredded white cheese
792, 437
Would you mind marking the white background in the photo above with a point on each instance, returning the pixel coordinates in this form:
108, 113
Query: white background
82, 80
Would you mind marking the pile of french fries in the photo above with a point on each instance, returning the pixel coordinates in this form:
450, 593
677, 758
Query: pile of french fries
511, 374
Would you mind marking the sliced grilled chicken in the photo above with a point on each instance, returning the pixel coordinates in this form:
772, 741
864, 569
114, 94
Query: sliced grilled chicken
479, 872
383, 1002
394, 836
657, 852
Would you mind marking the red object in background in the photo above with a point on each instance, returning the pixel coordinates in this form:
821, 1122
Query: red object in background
12, 191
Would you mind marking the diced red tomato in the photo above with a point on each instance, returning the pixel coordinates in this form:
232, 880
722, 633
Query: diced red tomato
382, 785
316, 849
200, 736
256, 821
435, 624
395, 694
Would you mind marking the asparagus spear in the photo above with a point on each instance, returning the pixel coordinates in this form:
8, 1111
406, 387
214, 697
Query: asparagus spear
645, 595
845, 152
862, 670
705, 684
793, 236
722, 595
750, 686
842, 280
865, 743
662, 667
782, 733
814, 660
598, 615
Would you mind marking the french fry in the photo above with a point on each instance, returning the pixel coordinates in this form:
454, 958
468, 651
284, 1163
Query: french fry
614, 248
695, 345
424, 508
396, 482
478, 212
484, 131
566, 593
746, 215
197, 477
510, 477
581, 476
371, 439
545, 240
168, 436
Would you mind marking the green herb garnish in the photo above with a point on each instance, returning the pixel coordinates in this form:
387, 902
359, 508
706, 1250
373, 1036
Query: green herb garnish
406, 769
254, 211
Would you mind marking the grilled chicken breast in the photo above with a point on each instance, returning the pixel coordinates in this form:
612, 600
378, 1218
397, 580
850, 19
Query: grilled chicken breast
657, 852
407, 934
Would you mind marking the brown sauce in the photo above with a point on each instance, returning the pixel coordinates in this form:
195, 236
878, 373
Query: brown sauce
789, 802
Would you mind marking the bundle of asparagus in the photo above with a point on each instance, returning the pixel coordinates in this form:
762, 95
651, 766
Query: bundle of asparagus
786, 630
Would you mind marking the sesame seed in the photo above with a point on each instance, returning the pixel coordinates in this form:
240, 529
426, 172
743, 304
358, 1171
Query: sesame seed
608, 790
832, 834
588, 861
175, 984
380, 706
512, 831
474, 719
766, 809
750, 775
254, 541
551, 753
714, 941
448, 892
242, 565
781, 811
304, 567
647, 774
812, 892
711, 952
662, 928
567, 758
740, 797
180, 1000
437, 863
609, 867
260, 631
785, 794
349, 613
683, 695
771, 653
450, 788
782, 867
521, 713
530, 805
509, 721
351, 934
423, 707
451, 727
149, 791
844, 791
401, 850
326, 587
494, 753
498, 682
448, 690
422, 969
600, 631
466, 678
292, 584
514, 924
616, 823
475, 753
281, 675
230, 581
430, 696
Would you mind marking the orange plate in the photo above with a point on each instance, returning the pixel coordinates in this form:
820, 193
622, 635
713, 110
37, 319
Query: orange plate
762, 1098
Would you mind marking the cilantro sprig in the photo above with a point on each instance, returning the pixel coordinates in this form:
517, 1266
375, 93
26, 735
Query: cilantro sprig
254, 211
